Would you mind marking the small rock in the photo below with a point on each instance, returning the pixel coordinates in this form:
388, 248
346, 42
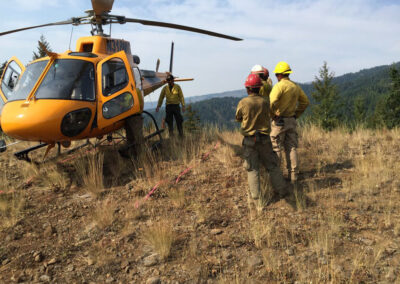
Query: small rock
90, 261
368, 242
6, 261
49, 231
70, 268
289, 251
110, 280
153, 280
396, 187
151, 260
390, 275
337, 268
254, 261
124, 264
44, 278
226, 255
52, 261
38, 257
216, 231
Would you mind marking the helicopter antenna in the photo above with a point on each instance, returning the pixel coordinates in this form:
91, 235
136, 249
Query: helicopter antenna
70, 37
171, 61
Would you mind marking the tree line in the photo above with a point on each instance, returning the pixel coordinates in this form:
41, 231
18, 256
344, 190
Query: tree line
330, 109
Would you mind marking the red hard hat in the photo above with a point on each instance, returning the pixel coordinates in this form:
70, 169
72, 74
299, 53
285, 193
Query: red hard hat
266, 72
253, 81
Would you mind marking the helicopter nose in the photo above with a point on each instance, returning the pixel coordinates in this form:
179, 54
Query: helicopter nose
26, 121
37, 120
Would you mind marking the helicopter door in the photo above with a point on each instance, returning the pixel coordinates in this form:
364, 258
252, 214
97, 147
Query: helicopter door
117, 86
11, 74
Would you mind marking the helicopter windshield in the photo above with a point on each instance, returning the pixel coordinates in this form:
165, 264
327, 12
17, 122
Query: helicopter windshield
27, 81
68, 79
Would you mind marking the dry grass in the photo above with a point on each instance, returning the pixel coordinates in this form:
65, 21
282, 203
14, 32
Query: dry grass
11, 210
54, 178
160, 236
177, 196
11, 203
90, 171
104, 214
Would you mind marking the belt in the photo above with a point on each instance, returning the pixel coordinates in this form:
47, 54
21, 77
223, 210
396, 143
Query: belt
258, 135
278, 117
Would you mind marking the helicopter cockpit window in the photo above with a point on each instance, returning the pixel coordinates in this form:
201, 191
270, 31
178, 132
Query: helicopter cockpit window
115, 76
1, 104
68, 79
27, 81
10, 79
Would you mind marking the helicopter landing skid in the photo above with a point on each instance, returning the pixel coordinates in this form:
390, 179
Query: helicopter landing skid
23, 155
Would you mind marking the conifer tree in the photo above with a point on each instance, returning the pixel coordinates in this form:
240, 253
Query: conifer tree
192, 120
40, 50
391, 116
326, 111
360, 110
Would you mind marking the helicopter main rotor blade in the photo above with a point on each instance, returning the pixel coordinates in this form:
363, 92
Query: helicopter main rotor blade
180, 27
101, 6
68, 22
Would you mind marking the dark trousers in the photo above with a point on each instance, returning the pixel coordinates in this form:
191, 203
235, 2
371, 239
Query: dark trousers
171, 111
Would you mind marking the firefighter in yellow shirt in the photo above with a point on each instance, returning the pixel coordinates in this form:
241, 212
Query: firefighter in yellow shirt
287, 102
253, 113
174, 97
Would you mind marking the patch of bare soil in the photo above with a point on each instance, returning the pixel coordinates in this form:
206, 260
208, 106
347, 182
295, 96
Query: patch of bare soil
339, 225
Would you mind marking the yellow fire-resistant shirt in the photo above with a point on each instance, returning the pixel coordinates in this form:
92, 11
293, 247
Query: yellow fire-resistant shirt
266, 88
252, 112
174, 96
288, 99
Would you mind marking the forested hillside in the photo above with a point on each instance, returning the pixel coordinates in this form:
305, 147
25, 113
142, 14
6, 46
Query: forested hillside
368, 84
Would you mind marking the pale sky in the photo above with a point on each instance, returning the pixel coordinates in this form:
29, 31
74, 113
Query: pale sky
349, 35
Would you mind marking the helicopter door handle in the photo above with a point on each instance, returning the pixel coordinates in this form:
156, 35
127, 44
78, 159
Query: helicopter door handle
132, 87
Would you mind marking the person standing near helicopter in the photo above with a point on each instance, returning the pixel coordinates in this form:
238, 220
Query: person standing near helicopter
174, 97
288, 101
253, 114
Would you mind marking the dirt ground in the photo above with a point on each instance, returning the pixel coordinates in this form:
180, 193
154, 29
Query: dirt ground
89, 220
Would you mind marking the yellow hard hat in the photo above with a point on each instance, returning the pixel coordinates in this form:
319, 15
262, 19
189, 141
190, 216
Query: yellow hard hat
282, 68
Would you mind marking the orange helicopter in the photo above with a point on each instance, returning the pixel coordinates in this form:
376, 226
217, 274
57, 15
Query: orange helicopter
79, 94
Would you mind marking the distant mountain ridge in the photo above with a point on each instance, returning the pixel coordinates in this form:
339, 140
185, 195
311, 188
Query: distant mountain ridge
194, 99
